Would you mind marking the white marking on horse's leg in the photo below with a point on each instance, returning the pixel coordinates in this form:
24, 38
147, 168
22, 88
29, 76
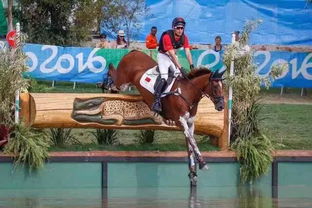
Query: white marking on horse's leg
193, 143
191, 163
183, 120
191, 156
191, 127
124, 87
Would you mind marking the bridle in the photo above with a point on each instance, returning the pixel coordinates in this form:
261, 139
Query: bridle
215, 99
204, 94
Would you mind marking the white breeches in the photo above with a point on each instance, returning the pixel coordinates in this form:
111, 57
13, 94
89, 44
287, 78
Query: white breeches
164, 62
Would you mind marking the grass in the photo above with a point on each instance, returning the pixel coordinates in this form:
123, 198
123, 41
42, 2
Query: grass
132, 147
64, 87
289, 125
127, 141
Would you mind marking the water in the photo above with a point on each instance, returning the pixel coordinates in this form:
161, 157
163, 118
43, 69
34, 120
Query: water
159, 197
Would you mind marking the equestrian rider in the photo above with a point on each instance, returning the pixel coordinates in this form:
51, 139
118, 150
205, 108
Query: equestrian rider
169, 41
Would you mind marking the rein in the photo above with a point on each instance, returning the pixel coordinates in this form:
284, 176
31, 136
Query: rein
202, 92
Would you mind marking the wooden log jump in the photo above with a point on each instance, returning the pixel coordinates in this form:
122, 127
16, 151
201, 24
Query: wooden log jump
112, 111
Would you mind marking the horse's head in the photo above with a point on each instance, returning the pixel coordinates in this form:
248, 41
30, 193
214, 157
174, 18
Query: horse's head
215, 90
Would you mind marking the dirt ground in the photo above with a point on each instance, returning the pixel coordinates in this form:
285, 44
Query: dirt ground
287, 99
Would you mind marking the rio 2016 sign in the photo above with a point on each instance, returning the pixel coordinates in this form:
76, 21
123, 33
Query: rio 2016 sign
297, 74
63, 61
90, 64
299, 67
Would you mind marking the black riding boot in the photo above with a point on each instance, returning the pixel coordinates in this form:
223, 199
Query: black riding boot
158, 91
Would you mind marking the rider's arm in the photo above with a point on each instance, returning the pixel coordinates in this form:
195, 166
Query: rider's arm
188, 55
187, 50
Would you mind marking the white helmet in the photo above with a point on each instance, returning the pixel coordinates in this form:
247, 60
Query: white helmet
121, 33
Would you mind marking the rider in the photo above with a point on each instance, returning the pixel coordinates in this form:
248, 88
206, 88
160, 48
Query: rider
166, 57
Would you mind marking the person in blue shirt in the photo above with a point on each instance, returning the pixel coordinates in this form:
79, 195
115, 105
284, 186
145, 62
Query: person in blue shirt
218, 45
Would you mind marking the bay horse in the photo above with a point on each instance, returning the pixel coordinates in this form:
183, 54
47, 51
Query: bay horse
179, 109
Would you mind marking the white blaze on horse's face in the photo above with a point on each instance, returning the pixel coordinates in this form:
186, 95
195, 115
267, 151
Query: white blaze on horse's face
216, 94
220, 84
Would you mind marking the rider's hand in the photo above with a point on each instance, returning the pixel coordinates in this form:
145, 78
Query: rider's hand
192, 66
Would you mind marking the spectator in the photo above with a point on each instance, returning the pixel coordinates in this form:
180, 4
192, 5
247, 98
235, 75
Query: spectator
104, 43
218, 46
151, 39
121, 41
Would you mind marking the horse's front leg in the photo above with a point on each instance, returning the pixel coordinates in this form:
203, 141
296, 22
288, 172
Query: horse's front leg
193, 143
191, 163
188, 124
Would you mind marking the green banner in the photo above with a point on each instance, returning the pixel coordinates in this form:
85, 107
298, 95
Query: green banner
3, 22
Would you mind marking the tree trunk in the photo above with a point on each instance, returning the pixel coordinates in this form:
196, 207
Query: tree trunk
10, 16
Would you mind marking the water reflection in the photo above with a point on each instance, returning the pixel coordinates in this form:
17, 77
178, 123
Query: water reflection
251, 196
193, 202
156, 197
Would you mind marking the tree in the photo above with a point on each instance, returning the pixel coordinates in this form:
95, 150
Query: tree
71, 22
59, 22
125, 14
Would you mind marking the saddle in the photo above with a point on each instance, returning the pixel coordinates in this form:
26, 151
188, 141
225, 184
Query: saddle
151, 77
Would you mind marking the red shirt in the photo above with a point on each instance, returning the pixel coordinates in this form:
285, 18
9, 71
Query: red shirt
151, 42
168, 45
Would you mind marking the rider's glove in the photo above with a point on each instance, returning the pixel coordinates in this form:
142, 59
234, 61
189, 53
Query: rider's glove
192, 66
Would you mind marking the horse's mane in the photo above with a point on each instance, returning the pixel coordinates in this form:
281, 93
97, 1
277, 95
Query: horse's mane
198, 72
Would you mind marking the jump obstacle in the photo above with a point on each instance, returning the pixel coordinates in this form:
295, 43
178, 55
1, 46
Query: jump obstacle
113, 111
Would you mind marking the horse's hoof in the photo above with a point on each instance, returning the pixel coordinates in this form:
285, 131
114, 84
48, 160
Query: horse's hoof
203, 166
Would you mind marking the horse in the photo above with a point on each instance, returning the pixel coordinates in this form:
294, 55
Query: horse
179, 107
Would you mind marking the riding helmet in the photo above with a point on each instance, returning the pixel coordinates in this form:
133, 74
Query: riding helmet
178, 21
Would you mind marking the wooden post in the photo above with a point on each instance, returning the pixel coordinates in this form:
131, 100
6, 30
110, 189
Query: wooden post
224, 142
25, 108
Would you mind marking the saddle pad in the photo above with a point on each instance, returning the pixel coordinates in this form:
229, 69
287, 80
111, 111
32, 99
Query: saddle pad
148, 80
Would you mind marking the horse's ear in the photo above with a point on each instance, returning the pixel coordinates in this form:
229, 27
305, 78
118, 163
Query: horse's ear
217, 75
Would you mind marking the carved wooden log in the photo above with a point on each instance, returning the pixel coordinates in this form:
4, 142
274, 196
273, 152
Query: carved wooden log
110, 111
